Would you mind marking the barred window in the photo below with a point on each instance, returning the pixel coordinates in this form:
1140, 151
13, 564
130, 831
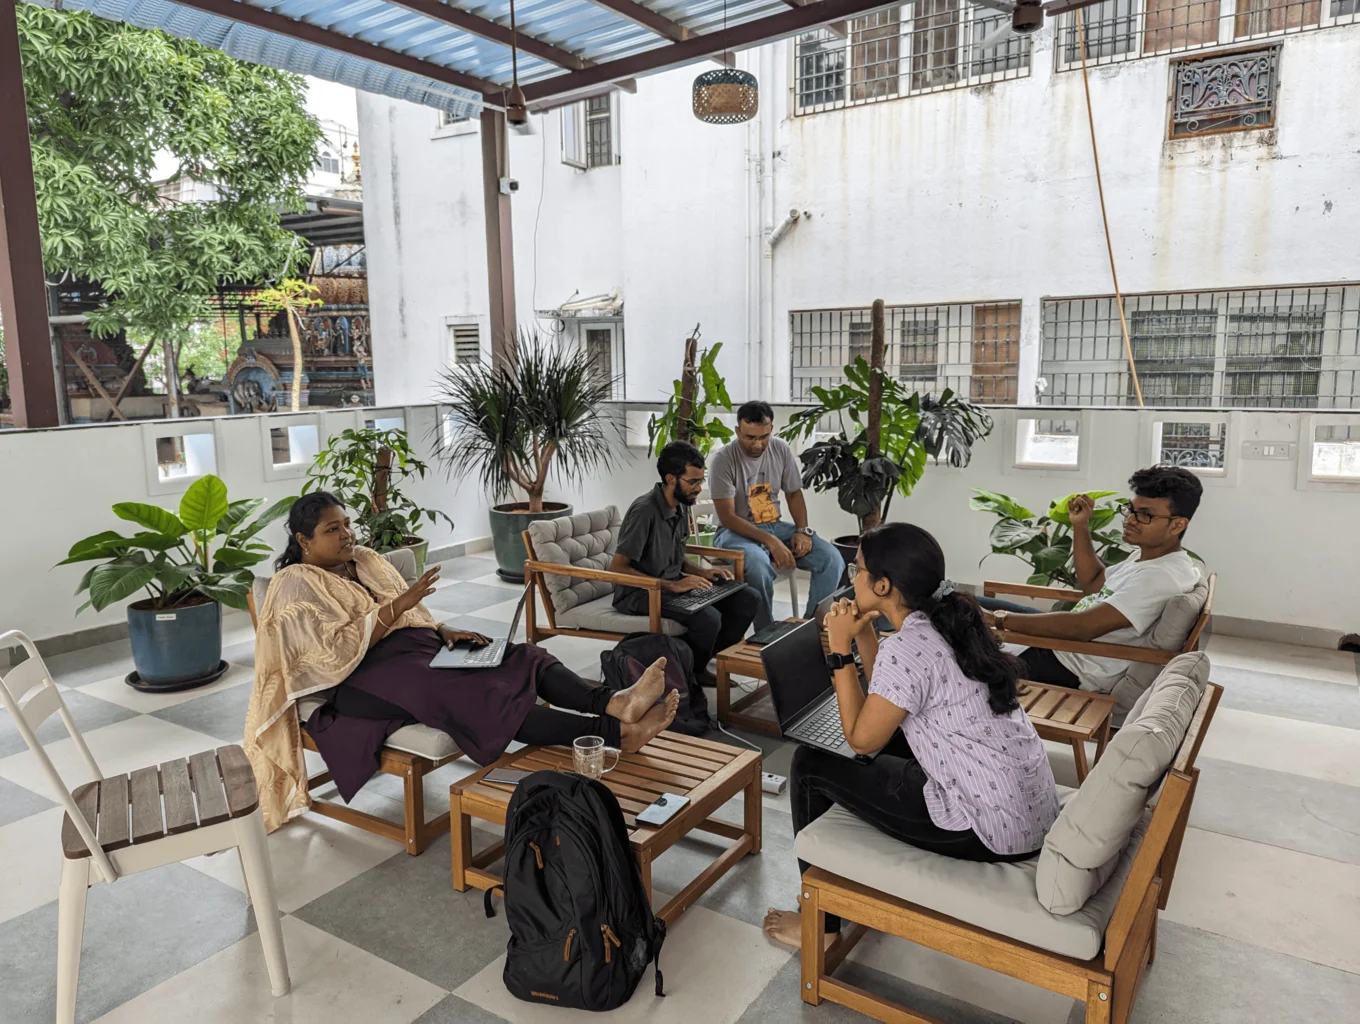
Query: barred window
1201, 446
1224, 93
922, 47
971, 349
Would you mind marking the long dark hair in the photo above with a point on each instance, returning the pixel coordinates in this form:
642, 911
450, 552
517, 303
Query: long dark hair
911, 560
302, 518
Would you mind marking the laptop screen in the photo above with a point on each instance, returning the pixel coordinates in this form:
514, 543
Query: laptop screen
795, 667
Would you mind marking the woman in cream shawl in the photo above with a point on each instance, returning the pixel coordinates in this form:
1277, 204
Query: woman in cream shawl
339, 621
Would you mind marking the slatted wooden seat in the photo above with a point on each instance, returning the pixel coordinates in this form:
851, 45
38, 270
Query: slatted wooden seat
166, 800
1069, 716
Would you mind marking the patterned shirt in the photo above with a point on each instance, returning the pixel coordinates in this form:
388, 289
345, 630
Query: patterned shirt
985, 771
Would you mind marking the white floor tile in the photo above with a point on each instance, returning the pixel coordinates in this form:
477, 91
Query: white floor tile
122, 747
30, 850
1283, 659
1327, 752
714, 966
503, 612
333, 983
495, 581
311, 855
116, 691
1290, 902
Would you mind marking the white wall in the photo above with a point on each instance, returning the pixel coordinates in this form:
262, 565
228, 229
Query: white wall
1280, 548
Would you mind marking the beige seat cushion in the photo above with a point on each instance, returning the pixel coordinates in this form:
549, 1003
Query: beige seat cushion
413, 739
600, 614
1169, 633
1083, 847
586, 540
998, 897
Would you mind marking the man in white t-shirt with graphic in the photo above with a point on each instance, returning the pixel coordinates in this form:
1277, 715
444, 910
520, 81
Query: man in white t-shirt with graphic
1122, 602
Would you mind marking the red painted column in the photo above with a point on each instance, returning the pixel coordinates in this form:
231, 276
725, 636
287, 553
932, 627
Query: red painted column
23, 288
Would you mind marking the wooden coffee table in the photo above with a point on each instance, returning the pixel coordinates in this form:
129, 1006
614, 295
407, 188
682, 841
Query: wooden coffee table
754, 711
1069, 716
708, 773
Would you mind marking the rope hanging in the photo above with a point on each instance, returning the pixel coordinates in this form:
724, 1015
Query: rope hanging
1105, 217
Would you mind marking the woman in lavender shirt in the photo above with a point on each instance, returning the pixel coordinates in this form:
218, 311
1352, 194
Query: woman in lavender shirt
959, 769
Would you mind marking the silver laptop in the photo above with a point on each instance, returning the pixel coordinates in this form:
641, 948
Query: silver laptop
801, 689
490, 656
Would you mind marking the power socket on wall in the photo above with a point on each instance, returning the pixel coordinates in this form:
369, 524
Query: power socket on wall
1277, 451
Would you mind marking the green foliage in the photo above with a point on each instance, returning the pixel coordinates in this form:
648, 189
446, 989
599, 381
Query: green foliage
1044, 542
913, 428
704, 433
207, 548
103, 99
348, 468
513, 425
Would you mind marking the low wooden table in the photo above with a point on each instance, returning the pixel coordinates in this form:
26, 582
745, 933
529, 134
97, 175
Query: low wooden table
708, 773
743, 659
1069, 716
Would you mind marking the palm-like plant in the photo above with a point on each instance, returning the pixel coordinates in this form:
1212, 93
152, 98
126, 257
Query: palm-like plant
515, 424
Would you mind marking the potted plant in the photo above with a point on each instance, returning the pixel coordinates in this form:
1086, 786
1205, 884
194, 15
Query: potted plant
686, 417
514, 423
1044, 542
365, 469
190, 563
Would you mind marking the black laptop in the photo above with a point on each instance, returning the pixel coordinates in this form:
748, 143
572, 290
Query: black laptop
775, 630
800, 686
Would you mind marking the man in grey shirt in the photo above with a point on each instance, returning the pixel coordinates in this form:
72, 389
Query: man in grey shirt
746, 478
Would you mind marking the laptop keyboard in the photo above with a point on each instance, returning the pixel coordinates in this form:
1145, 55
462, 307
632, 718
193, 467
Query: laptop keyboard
824, 727
485, 657
693, 600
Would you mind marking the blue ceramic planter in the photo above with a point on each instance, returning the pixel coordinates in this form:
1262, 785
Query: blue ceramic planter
175, 645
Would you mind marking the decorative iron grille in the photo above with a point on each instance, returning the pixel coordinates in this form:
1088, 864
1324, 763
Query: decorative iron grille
972, 349
1193, 445
1263, 348
1224, 93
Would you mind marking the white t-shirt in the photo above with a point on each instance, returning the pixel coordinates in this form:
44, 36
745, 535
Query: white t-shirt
1140, 591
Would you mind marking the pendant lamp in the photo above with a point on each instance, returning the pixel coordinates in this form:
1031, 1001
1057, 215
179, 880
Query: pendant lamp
726, 95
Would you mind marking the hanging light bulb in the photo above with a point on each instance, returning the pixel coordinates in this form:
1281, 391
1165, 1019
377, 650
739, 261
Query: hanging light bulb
727, 95
516, 110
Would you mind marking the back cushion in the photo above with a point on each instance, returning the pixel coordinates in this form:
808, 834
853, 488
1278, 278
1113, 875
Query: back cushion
586, 540
1168, 633
1081, 850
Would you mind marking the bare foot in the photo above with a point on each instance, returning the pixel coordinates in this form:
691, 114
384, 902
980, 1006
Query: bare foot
630, 705
786, 928
636, 735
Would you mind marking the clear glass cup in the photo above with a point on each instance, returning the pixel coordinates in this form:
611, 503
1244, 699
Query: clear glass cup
587, 757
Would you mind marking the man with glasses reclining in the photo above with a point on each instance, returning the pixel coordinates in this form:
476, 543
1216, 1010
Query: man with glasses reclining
1122, 602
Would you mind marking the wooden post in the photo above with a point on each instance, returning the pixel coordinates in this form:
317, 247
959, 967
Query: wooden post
500, 258
688, 384
876, 380
23, 285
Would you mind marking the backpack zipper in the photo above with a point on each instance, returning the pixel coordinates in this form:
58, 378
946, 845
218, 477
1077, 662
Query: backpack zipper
538, 855
608, 936
566, 951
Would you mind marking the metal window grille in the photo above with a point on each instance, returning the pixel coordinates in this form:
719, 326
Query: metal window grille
1230, 92
467, 343
1120, 30
1263, 348
972, 349
1336, 451
923, 47
447, 120
599, 132
1193, 445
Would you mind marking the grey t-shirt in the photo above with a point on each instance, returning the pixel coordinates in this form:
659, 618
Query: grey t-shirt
755, 484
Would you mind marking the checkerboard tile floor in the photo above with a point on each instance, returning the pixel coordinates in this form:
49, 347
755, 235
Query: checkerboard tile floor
1263, 924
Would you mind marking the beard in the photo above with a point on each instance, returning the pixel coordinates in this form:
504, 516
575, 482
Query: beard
687, 500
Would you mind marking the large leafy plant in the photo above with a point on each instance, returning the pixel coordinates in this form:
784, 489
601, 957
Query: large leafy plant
206, 549
703, 387
365, 469
911, 428
1044, 542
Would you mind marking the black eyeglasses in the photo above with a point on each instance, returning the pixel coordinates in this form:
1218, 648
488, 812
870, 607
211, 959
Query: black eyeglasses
1126, 509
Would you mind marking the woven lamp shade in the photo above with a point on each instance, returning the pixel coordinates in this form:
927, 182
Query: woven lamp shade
726, 96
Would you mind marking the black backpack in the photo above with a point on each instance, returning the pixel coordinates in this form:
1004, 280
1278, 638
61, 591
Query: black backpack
624, 664
582, 931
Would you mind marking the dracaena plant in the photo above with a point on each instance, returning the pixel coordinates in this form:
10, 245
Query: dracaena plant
701, 430
1044, 542
207, 549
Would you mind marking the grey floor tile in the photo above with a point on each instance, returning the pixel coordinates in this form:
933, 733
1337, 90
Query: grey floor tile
1290, 811
18, 802
453, 1010
469, 567
405, 911
91, 664
89, 713
221, 715
139, 931
467, 598
1306, 700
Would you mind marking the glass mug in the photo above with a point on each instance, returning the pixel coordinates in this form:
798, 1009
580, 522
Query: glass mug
587, 757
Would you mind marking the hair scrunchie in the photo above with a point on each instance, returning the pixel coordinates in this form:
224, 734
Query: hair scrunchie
945, 588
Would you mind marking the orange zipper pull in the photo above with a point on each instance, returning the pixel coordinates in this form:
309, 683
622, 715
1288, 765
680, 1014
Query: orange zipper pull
538, 855
566, 952
608, 936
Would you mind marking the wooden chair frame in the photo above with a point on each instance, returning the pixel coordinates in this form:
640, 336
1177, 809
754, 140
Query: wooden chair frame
414, 832
1123, 652
537, 572
1107, 983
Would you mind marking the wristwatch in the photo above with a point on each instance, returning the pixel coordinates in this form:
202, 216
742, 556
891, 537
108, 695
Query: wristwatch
806, 530
836, 662
999, 618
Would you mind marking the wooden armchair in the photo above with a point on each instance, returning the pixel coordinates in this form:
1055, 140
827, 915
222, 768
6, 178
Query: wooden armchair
566, 566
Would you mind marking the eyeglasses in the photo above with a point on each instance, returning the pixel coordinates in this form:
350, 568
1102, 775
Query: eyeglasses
1142, 516
852, 570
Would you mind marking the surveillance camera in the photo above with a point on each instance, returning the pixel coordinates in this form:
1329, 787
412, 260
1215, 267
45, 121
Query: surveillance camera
509, 186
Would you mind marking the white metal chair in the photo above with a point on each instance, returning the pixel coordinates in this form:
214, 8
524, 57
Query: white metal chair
129, 823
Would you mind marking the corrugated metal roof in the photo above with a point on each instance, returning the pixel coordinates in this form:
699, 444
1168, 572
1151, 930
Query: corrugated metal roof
584, 29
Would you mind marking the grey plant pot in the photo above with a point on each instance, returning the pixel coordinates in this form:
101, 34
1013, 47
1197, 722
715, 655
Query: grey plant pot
508, 523
175, 645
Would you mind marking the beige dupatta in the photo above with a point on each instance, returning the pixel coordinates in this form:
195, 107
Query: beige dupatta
314, 630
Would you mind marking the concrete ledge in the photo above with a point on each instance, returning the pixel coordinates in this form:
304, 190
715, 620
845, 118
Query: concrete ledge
1276, 632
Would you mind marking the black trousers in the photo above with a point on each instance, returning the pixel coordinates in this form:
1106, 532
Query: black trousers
542, 727
888, 793
709, 630
1041, 665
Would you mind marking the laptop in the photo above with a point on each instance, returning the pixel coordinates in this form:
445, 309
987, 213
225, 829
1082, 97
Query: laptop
800, 686
490, 656
775, 630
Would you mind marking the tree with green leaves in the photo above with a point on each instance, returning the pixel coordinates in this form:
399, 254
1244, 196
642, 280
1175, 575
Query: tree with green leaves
293, 297
105, 98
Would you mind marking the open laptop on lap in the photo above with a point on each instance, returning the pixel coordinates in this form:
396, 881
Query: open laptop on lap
802, 692
490, 656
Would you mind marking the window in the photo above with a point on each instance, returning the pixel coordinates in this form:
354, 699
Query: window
1109, 29
293, 445
603, 343
387, 422
175, 460
1270, 347
922, 47
465, 343
1336, 451
447, 120
588, 133
328, 163
1224, 93
1201, 446
1048, 443
972, 349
